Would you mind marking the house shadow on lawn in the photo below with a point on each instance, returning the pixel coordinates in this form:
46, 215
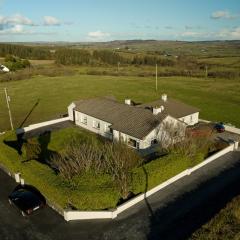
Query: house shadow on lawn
45, 154
184, 215
16, 144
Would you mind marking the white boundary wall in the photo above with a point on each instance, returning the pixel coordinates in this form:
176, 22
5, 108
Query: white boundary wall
42, 124
70, 215
80, 215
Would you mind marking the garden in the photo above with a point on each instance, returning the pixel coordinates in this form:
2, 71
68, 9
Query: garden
76, 169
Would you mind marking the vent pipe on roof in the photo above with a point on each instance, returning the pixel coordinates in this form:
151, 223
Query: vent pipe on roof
164, 97
128, 101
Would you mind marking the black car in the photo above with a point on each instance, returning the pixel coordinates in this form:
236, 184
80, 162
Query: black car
27, 199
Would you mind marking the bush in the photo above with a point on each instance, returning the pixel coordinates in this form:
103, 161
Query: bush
157, 171
16, 63
31, 149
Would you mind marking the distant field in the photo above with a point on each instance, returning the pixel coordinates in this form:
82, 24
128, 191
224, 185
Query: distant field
227, 61
41, 62
218, 99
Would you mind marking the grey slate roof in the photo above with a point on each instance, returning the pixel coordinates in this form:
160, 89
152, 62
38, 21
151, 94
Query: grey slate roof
172, 107
136, 121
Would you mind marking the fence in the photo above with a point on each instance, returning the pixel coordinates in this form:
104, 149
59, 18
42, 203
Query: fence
80, 215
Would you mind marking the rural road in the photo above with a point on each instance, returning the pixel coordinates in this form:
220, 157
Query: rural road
173, 213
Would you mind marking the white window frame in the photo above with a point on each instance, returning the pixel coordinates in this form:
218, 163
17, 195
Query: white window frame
84, 119
132, 139
106, 128
96, 124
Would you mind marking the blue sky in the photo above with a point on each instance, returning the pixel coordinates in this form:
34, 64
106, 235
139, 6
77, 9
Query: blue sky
105, 20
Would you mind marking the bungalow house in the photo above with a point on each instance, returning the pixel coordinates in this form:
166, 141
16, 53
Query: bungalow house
140, 126
4, 68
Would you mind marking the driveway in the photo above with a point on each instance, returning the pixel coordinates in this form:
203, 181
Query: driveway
173, 213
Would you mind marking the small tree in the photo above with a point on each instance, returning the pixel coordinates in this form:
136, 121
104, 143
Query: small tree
169, 133
120, 160
31, 149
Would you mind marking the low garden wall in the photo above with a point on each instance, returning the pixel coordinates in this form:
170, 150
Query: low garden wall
80, 215
70, 215
42, 124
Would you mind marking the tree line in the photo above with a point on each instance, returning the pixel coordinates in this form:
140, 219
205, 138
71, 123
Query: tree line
25, 52
68, 56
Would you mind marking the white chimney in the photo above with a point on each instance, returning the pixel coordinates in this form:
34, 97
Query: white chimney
164, 97
128, 101
156, 110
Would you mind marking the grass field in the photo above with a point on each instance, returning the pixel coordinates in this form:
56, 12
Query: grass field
218, 99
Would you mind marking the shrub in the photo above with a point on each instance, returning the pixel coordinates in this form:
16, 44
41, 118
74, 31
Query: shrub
115, 159
31, 149
120, 160
157, 171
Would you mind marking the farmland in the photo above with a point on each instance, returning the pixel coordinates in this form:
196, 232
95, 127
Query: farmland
218, 99
203, 74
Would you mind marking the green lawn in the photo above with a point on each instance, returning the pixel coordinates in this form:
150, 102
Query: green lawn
218, 99
88, 191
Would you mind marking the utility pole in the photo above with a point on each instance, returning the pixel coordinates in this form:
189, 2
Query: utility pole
118, 66
156, 78
8, 106
206, 71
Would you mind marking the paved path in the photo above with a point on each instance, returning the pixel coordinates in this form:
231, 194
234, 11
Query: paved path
170, 214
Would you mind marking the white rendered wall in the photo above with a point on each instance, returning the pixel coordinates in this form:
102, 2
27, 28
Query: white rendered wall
158, 132
190, 119
89, 125
70, 111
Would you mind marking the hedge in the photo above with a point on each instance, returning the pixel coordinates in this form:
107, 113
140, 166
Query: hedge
89, 191
157, 171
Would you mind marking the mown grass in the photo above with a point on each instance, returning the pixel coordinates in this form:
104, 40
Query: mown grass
88, 191
218, 99
85, 192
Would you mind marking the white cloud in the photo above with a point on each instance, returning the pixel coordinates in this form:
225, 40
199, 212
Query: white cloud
223, 14
51, 21
16, 29
191, 34
98, 35
15, 19
231, 34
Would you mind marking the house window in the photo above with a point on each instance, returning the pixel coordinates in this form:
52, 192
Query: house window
106, 128
96, 124
83, 119
133, 143
154, 141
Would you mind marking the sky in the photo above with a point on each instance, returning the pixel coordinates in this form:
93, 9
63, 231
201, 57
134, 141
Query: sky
107, 20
